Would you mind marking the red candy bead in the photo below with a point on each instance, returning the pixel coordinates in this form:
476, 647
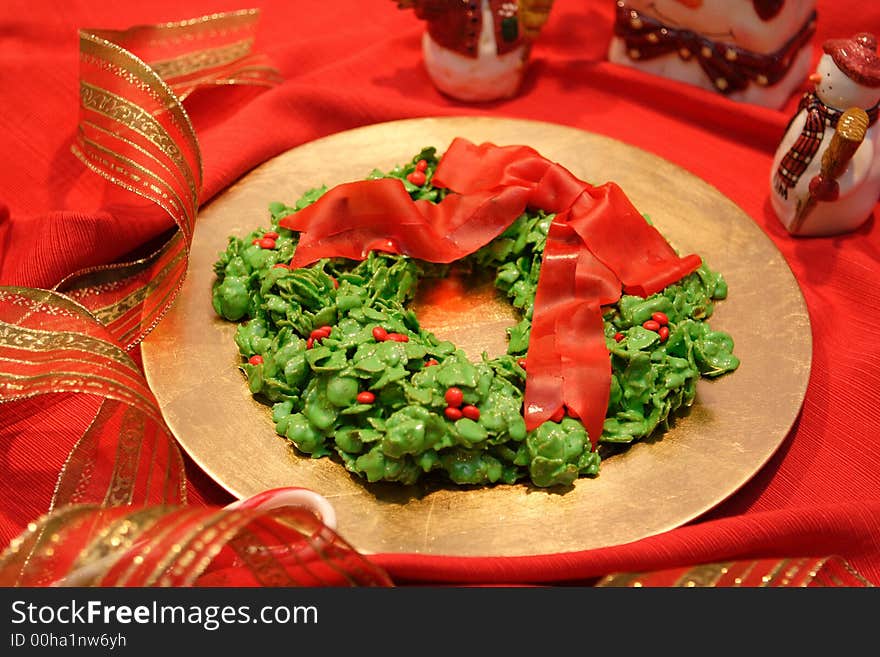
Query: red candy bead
256, 359
660, 318
398, 337
452, 413
366, 397
256, 240
618, 336
417, 178
421, 165
267, 243
558, 415
651, 325
431, 362
454, 397
380, 334
471, 412
521, 362
272, 235
663, 333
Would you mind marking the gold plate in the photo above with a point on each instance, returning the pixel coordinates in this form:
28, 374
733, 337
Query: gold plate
735, 425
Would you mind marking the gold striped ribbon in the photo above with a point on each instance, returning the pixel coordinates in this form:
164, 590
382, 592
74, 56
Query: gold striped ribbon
135, 131
830, 571
118, 515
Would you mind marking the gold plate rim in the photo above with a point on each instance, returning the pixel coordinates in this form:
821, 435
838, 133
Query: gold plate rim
654, 487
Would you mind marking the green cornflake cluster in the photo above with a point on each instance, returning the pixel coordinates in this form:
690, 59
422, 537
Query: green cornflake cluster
403, 434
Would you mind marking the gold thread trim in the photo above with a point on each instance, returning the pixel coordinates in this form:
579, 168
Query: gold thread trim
78, 382
117, 539
260, 77
110, 277
767, 580
742, 577
39, 341
186, 205
137, 119
115, 311
117, 169
172, 518
620, 579
176, 32
165, 564
705, 575
183, 215
126, 464
201, 60
852, 571
76, 472
129, 67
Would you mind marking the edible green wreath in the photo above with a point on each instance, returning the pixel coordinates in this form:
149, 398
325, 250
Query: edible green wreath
352, 375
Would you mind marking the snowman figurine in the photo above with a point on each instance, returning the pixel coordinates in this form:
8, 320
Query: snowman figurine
756, 51
477, 50
825, 177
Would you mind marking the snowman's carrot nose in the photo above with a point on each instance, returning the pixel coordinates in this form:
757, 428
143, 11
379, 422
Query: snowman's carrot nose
815, 78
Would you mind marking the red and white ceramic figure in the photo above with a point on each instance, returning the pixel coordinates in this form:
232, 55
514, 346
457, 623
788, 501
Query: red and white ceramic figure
477, 50
752, 51
807, 196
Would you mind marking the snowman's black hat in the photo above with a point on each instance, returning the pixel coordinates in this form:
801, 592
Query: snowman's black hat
857, 57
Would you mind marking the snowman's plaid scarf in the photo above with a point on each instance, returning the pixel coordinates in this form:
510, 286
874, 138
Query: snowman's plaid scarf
801, 153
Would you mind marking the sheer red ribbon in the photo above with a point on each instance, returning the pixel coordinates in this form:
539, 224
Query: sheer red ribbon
598, 246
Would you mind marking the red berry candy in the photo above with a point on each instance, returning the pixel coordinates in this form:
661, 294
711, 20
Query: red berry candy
366, 397
452, 413
310, 342
651, 325
380, 334
454, 397
521, 362
271, 234
430, 362
325, 330
558, 415
660, 318
256, 359
618, 336
663, 333
398, 337
471, 412
256, 240
320, 333
421, 165
267, 243
417, 178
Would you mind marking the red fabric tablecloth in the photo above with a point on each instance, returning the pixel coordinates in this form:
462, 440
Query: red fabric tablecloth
351, 63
